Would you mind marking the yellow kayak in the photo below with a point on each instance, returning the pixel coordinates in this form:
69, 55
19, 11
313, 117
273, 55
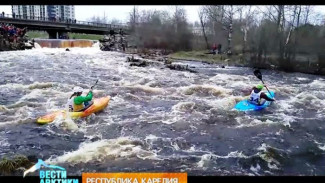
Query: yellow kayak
98, 105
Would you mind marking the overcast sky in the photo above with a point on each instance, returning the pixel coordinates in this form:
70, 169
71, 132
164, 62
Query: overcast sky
85, 12
121, 12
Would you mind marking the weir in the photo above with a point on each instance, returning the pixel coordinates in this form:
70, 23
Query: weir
64, 43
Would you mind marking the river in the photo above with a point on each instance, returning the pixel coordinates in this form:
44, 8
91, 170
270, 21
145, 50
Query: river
159, 120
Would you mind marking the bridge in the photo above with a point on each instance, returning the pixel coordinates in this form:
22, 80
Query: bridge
58, 27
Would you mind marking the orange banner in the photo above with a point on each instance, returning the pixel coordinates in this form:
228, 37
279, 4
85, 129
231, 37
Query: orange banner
134, 177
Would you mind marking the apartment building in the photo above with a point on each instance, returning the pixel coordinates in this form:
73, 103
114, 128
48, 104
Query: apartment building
62, 12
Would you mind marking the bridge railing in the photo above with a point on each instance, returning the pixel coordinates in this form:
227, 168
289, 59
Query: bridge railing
66, 21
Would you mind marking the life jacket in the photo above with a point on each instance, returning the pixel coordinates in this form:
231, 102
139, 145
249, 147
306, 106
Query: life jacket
74, 107
255, 98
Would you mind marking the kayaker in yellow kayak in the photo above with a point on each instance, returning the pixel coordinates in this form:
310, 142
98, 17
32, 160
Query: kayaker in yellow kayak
79, 103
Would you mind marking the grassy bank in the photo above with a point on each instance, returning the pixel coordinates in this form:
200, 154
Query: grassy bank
208, 58
8, 166
45, 35
37, 34
85, 36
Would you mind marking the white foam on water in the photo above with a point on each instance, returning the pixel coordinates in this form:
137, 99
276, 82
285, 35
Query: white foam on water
248, 121
286, 105
321, 146
272, 163
308, 100
65, 123
174, 144
146, 89
225, 78
96, 45
178, 113
151, 137
172, 120
4, 142
206, 90
286, 119
255, 169
3, 108
226, 103
20, 115
37, 46
302, 79
50, 105
206, 159
120, 148
239, 85
285, 90
319, 84
32, 86
183, 107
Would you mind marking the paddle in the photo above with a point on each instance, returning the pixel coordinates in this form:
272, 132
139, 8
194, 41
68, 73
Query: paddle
258, 74
94, 84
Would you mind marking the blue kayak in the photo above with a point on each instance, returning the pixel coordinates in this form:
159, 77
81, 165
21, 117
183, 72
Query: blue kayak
245, 105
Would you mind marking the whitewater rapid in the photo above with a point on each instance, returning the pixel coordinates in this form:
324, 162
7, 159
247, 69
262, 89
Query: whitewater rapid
159, 119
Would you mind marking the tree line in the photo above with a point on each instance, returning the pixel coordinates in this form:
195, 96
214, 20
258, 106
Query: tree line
161, 29
290, 37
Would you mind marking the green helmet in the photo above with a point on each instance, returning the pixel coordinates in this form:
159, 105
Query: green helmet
260, 86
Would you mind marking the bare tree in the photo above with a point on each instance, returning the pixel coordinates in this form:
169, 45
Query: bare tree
247, 18
203, 21
115, 21
104, 19
293, 10
296, 30
306, 13
224, 15
134, 18
98, 19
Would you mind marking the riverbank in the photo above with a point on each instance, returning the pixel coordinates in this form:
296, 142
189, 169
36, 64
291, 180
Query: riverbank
203, 56
20, 44
196, 56
309, 64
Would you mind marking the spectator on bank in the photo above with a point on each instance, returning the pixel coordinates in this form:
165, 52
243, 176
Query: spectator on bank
219, 48
2, 31
13, 15
214, 48
111, 32
3, 14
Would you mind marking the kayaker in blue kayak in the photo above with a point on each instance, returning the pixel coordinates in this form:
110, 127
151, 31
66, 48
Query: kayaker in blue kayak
79, 103
257, 95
